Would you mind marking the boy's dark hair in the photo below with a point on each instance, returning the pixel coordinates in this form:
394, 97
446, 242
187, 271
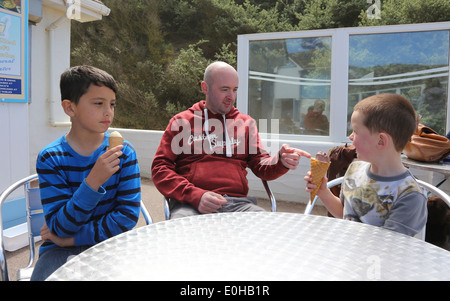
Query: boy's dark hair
76, 80
389, 113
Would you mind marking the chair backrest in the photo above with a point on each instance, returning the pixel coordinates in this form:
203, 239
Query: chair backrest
35, 212
435, 191
426, 186
34, 219
431, 189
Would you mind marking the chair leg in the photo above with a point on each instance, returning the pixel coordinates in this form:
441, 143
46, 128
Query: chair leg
3, 265
271, 196
166, 209
310, 206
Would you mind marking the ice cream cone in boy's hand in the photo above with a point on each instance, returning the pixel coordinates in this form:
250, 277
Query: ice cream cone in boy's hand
319, 167
115, 139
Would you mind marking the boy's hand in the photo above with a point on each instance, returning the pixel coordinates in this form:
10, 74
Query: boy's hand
48, 235
310, 187
107, 165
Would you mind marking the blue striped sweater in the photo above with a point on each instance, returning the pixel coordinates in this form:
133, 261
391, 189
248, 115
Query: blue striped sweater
72, 208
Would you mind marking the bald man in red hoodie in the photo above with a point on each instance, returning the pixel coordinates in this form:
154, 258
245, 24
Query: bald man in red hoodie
201, 162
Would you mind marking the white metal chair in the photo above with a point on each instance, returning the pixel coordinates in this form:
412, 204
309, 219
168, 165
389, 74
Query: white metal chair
146, 214
428, 188
35, 220
271, 196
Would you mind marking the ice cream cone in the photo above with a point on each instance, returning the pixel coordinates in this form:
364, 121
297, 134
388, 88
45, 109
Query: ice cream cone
318, 171
115, 139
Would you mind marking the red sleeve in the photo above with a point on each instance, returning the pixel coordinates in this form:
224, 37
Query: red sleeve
168, 182
260, 162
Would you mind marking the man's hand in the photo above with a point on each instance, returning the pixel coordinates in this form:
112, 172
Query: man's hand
107, 165
291, 156
48, 235
211, 202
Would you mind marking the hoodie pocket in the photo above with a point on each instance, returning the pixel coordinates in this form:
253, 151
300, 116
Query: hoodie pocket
222, 175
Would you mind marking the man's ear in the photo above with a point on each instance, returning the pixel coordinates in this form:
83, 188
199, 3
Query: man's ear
204, 86
68, 107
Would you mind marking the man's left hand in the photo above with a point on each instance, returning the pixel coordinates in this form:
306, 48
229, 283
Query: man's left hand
291, 156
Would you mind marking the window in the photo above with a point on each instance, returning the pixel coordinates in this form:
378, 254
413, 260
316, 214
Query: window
293, 77
414, 64
289, 80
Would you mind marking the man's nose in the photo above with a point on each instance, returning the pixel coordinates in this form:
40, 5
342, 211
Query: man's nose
231, 95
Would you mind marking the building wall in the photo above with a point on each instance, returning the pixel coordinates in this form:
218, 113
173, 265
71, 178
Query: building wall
41, 132
14, 159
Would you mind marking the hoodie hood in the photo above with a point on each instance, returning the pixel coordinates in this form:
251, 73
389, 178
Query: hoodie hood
201, 106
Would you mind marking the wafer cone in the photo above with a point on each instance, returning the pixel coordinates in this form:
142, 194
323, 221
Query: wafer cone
318, 171
115, 139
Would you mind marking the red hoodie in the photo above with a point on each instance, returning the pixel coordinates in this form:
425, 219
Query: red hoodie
194, 155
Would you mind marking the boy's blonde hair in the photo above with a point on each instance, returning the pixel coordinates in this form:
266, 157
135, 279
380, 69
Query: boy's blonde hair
392, 114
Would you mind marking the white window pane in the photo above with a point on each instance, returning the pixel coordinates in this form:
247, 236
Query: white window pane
289, 81
414, 64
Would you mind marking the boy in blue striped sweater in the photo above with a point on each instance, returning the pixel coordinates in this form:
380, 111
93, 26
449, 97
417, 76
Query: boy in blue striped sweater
89, 192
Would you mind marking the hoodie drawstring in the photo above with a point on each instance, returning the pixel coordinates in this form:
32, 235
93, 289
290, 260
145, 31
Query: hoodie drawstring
227, 139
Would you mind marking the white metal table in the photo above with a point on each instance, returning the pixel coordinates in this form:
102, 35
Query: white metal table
259, 246
439, 167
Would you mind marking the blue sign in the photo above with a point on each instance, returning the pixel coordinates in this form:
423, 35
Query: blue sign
13, 51
10, 86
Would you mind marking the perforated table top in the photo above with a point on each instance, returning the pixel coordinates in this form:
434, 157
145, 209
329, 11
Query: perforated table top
259, 246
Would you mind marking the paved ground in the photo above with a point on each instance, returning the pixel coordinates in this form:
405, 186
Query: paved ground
154, 202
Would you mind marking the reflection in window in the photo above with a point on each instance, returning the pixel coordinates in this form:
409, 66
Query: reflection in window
289, 80
414, 64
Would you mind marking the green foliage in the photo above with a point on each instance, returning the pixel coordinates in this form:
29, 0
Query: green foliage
409, 12
129, 45
158, 49
218, 22
322, 14
183, 77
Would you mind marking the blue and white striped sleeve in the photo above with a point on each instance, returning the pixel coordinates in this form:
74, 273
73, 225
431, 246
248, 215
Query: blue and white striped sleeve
73, 209
125, 212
